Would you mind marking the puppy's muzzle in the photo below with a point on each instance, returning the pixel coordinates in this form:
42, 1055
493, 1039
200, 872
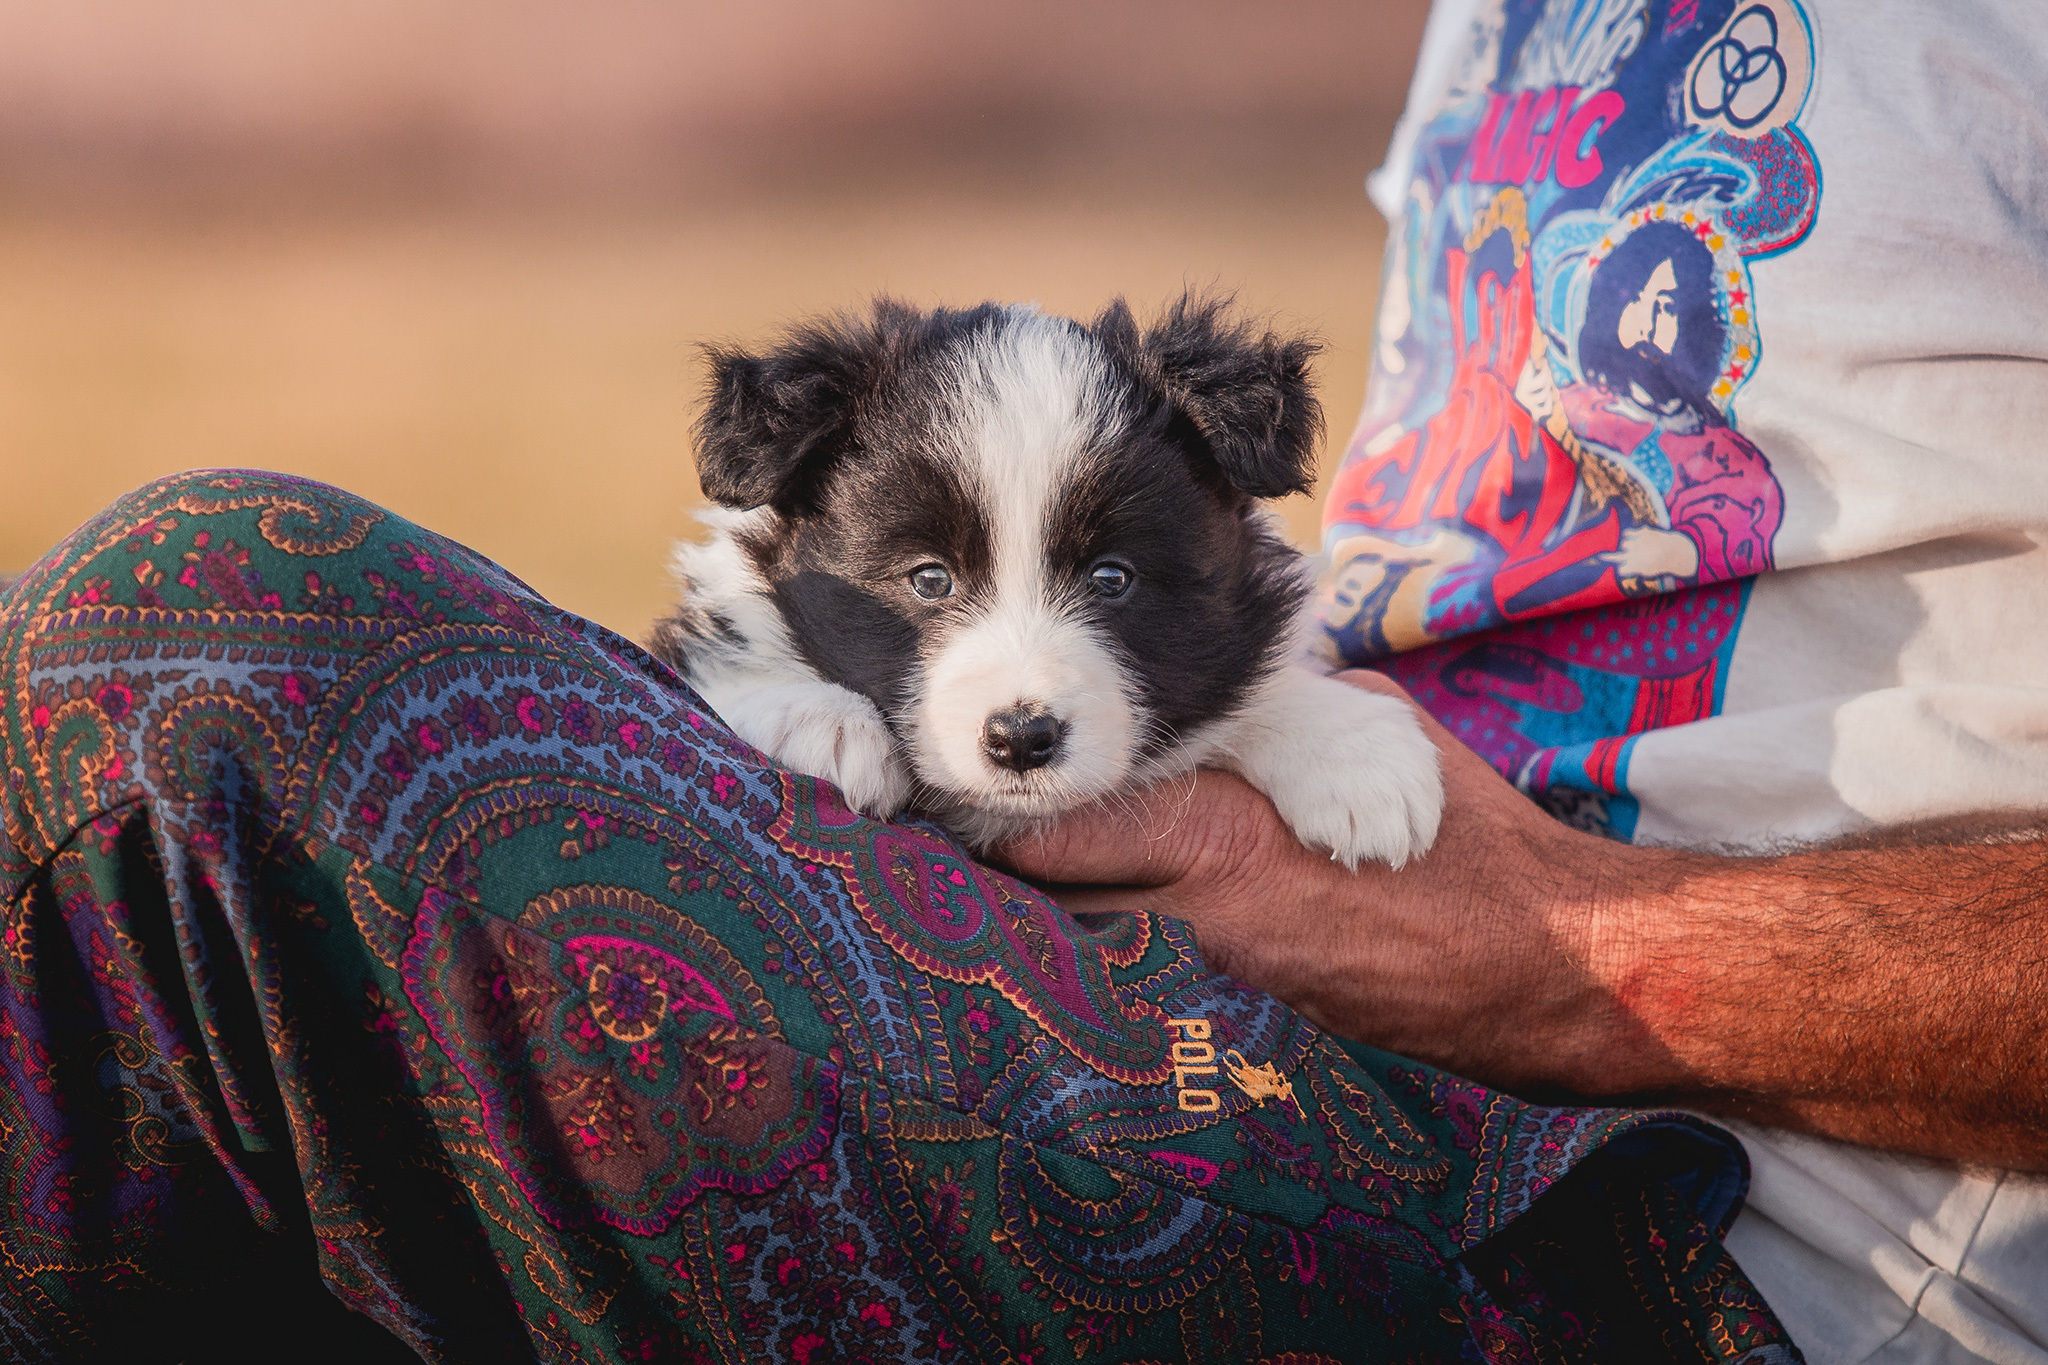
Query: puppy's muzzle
1021, 739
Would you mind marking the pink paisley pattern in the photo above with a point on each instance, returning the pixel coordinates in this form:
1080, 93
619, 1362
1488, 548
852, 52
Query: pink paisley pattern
391, 960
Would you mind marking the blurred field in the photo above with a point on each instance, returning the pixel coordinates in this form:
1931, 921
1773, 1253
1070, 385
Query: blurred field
511, 361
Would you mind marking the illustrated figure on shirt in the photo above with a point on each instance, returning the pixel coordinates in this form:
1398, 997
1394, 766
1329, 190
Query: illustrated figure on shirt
1651, 351
1548, 517
1518, 498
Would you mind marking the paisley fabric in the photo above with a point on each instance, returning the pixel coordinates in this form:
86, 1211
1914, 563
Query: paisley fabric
378, 935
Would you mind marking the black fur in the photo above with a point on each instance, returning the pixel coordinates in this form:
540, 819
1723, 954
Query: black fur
1246, 392
836, 573
1215, 590
775, 424
839, 429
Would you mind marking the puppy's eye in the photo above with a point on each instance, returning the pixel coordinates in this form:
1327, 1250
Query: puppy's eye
1110, 580
931, 582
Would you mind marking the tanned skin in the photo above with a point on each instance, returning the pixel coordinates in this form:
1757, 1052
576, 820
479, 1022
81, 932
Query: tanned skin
1890, 991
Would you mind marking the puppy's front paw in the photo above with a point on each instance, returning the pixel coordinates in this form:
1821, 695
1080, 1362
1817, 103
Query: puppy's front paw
1349, 771
828, 732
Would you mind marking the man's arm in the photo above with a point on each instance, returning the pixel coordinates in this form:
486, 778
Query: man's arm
1892, 992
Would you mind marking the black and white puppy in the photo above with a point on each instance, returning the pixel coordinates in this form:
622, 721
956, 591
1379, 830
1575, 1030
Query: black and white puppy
997, 565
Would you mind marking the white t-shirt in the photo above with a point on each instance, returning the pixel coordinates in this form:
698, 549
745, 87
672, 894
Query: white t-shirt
1702, 486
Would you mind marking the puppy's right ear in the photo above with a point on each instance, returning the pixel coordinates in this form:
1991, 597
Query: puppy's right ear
773, 424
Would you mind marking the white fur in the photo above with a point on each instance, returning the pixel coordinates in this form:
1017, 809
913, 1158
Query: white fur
1028, 408
770, 697
828, 731
1042, 659
1349, 771
720, 578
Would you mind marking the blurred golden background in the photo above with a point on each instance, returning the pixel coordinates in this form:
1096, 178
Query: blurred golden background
455, 254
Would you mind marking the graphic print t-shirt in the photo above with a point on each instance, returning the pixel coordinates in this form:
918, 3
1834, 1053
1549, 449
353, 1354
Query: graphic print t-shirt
1703, 481
1702, 487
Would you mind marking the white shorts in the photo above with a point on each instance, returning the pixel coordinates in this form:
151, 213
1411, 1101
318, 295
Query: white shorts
1868, 1257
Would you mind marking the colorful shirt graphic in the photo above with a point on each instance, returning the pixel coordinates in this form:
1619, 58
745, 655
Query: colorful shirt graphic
1548, 517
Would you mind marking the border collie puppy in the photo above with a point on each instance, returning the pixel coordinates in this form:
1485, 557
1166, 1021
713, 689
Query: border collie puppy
997, 565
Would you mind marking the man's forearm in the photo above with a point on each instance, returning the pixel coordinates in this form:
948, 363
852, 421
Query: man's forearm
1890, 993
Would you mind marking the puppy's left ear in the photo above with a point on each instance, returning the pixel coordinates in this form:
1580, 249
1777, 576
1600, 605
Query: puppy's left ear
1245, 389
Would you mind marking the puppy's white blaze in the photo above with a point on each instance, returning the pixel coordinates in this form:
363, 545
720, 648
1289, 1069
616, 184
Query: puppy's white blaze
1026, 653
1032, 403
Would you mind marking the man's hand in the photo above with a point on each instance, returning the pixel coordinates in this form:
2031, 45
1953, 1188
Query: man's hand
1478, 958
1890, 994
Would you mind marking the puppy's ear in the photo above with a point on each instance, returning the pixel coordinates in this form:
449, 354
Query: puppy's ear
774, 423
1246, 390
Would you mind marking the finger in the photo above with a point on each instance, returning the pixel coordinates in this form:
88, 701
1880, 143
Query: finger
1108, 900
1142, 841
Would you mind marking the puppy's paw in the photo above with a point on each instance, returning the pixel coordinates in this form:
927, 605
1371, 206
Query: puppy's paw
828, 732
1349, 771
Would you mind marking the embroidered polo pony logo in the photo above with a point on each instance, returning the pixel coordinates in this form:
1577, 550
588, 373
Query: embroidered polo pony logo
1261, 1082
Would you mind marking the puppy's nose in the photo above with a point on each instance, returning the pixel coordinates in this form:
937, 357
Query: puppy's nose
1022, 740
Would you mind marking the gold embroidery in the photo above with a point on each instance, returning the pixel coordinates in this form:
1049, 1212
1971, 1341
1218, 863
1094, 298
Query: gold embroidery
1192, 1053
1261, 1082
